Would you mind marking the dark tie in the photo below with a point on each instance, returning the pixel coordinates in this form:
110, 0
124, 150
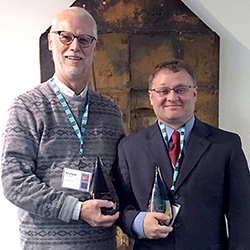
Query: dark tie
175, 148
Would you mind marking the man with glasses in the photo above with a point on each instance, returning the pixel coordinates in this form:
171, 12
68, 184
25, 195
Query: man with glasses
208, 180
53, 135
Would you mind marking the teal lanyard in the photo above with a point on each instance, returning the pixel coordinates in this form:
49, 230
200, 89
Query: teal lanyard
70, 116
177, 165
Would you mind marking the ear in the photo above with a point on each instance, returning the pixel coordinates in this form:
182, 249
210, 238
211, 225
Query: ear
195, 93
150, 97
96, 44
49, 42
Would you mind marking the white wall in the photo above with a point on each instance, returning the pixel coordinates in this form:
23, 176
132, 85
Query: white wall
22, 22
230, 20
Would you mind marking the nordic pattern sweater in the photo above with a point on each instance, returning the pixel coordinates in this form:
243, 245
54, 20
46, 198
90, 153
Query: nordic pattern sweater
38, 143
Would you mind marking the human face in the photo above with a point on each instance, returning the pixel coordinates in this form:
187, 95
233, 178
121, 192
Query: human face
173, 109
72, 62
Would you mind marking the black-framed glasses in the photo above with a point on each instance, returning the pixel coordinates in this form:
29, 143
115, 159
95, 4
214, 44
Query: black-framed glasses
67, 38
179, 90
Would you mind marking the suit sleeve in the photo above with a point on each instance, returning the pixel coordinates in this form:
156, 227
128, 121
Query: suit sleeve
128, 207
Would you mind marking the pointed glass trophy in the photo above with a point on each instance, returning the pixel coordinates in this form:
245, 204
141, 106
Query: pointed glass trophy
160, 200
101, 187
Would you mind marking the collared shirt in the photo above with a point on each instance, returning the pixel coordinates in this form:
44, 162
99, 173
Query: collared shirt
137, 225
65, 90
188, 127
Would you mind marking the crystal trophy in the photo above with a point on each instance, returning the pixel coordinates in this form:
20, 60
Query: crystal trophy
160, 200
101, 187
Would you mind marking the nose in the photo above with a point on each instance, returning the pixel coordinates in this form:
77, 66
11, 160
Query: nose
172, 96
75, 44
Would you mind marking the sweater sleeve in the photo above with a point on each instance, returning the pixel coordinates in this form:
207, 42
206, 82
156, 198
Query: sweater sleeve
21, 185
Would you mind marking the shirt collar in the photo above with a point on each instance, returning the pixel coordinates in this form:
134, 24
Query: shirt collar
65, 90
188, 127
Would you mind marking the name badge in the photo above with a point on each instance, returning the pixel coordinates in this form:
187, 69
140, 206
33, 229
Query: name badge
76, 179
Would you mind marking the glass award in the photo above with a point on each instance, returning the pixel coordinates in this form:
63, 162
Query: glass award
101, 187
160, 200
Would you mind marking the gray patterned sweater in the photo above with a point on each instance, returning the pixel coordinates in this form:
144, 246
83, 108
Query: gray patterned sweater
38, 142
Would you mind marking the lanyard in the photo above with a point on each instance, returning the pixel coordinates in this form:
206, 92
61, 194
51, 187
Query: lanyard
70, 116
177, 165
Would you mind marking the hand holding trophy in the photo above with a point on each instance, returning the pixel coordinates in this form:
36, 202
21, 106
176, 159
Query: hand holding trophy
160, 199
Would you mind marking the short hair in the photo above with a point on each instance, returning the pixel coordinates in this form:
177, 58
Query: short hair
174, 65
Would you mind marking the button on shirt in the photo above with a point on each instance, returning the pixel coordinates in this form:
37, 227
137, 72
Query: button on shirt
137, 225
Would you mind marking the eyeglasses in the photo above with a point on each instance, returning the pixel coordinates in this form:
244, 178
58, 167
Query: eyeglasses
67, 38
179, 90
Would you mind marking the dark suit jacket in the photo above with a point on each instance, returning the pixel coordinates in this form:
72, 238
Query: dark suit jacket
213, 183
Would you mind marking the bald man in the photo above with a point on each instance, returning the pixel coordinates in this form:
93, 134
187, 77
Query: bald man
53, 135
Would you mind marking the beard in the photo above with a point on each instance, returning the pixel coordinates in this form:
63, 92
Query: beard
74, 73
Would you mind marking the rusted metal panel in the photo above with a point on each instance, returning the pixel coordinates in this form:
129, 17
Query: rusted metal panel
111, 62
146, 51
147, 15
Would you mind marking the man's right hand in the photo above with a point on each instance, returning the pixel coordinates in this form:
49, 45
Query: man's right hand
152, 228
91, 213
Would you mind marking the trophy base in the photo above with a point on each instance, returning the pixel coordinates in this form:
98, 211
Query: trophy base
109, 211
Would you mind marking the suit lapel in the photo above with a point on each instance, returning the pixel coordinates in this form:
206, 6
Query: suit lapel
197, 146
156, 148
